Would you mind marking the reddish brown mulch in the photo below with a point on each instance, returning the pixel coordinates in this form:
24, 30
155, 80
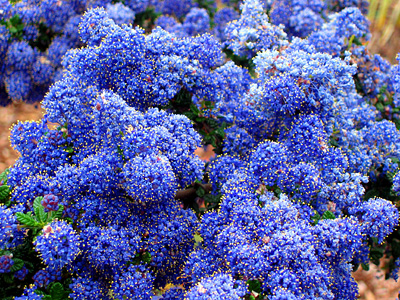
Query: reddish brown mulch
10, 115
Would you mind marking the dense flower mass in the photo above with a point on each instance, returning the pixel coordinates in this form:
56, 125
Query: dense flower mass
57, 245
108, 199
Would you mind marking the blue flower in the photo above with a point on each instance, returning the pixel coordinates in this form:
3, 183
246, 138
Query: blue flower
197, 21
135, 283
120, 13
58, 244
50, 202
219, 287
6, 263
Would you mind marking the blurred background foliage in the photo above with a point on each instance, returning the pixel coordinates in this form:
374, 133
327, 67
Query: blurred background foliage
385, 27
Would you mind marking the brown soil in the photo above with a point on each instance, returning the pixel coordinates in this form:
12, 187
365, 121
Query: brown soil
373, 286
10, 115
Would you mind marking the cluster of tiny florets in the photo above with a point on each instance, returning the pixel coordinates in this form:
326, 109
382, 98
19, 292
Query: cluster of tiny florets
108, 199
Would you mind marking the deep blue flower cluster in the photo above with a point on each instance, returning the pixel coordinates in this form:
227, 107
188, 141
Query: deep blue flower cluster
144, 70
115, 169
103, 190
253, 32
26, 21
299, 17
6, 263
396, 82
58, 244
219, 287
30, 60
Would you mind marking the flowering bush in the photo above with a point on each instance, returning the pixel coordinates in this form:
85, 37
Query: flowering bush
108, 200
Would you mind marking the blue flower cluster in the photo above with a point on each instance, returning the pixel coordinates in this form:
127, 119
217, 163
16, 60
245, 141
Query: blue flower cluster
396, 82
58, 244
144, 70
299, 17
35, 35
114, 168
103, 189
43, 31
253, 32
261, 237
219, 287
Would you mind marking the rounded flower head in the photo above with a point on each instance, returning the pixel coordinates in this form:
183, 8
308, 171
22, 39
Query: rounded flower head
219, 287
379, 217
50, 202
6, 263
20, 56
149, 178
58, 244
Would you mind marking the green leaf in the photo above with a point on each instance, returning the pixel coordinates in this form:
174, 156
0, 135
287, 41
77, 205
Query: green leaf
37, 203
13, 30
376, 253
26, 220
59, 212
42, 216
316, 217
365, 267
57, 291
15, 19
328, 215
351, 39
200, 119
8, 278
220, 132
146, 257
209, 198
200, 192
190, 115
39, 210
69, 149
194, 109
3, 176
254, 285
18, 264
380, 107
198, 238
212, 123
4, 192
29, 266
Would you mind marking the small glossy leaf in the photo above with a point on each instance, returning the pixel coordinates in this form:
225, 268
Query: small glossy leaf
59, 212
328, 215
26, 220
57, 291
3, 176
200, 192
4, 192
18, 264
365, 267
8, 278
39, 210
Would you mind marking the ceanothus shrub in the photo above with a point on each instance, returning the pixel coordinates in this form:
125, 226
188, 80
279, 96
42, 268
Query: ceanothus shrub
98, 204
113, 171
